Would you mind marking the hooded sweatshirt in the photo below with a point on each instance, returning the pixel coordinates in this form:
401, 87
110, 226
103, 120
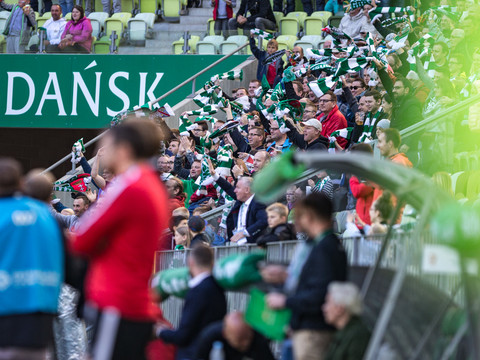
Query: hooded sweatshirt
81, 31
351, 25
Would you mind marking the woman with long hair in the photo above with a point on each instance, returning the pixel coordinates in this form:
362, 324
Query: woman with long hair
77, 36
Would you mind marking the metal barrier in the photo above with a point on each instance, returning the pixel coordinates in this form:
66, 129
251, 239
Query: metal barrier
361, 251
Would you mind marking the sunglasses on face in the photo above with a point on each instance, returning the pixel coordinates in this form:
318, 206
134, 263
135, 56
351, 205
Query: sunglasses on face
355, 87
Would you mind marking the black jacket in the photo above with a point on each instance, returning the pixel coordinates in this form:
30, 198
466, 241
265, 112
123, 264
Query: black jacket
280, 232
257, 9
358, 129
259, 348
406, 110
256, 214
297, 139
204, 305
327, 262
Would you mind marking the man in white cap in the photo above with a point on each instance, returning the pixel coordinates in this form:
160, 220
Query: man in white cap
311, 139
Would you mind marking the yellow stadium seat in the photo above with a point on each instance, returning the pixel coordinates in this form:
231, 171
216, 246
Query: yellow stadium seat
117, 22
177, 46
299, 15
97, 19
289, 26
209, 45
314, 25
3, 44
171, 10
149, 6
286, 42
278, 15
140, 26
211, 27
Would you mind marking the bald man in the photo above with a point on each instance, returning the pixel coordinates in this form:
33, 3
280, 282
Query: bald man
238, 338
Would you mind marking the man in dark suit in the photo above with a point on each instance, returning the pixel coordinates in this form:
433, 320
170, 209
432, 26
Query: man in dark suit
248, 219
205, 304
316, 263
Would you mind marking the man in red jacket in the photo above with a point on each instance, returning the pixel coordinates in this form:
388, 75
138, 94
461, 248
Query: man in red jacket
331, 118
120, 237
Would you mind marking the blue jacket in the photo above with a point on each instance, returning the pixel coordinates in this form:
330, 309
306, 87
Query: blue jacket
31, 257
204, 305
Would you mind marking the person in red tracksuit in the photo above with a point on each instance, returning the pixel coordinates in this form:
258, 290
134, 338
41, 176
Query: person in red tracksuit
361, 190
120, 237
222, 12
331, 118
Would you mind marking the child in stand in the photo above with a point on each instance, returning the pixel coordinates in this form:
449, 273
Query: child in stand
278, 227
182, 238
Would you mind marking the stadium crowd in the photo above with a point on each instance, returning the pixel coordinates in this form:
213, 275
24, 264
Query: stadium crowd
384, 70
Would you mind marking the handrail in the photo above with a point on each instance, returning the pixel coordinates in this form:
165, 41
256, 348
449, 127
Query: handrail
411, 130
151, 103
217, 211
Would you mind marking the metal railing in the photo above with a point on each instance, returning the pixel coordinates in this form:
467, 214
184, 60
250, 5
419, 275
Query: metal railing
361, 251
153, 102
421, 125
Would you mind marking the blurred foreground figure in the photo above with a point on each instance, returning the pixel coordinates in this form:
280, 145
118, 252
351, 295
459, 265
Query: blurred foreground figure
342, 309
120, 237
30, 275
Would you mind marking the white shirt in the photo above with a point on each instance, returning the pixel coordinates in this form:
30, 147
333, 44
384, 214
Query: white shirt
242, 216
198, 279
55, 30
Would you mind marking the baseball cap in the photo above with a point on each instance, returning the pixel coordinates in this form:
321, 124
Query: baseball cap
196, 223
314, 123
384, 124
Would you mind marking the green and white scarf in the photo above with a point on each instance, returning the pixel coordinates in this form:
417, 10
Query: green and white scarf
379, 11
224, 160
345, 133
321, 86
230, 75
205, 178
77, 150
206, 110
369, 124
262, 34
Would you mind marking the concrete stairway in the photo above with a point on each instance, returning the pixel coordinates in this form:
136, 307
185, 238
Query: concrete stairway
165, 33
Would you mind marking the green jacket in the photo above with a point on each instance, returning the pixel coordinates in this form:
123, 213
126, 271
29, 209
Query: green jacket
351, 342
28, 22
189, 187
